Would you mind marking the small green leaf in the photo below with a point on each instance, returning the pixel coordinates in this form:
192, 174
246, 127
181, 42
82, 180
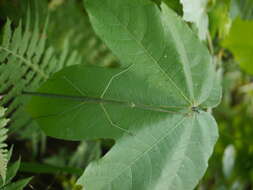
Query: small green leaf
12, 171
242, 8
242, 46
220, 21
195, 12
3, 146
228, 160
47, 169
18, 185
175, 5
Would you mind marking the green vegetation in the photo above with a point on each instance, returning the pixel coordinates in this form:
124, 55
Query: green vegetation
129, 95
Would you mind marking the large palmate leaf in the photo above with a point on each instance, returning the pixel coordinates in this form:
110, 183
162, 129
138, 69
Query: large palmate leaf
151, 106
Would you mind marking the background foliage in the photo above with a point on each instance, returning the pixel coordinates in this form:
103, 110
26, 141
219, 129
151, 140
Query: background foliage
67, 38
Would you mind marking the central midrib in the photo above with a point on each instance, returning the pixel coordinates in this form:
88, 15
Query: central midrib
96, 100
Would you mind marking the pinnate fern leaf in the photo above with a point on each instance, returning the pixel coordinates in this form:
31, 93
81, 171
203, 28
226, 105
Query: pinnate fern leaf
25, 62
3, 150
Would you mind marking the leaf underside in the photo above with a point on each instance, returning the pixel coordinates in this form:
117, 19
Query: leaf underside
146, 105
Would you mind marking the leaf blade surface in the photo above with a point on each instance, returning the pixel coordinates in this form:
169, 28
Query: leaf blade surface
146, 106
129, 27
159, 158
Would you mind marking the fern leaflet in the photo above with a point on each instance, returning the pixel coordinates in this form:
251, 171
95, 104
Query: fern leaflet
3, 146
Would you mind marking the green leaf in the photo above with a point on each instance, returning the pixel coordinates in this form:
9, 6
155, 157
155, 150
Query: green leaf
77, 28
47, 169
195, 12
220, 21
150, 106
175, 5
215, 96
241, 47
25, 50
18, 185
130, 39
3, 145
241, 8
171, 154
12, 171
228, 160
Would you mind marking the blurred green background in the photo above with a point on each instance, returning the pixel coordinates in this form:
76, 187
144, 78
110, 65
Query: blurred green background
56, 164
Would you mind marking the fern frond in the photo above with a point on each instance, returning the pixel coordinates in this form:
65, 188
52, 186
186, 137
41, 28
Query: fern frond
3, 146
26, 62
